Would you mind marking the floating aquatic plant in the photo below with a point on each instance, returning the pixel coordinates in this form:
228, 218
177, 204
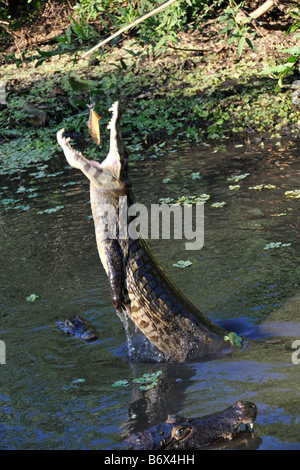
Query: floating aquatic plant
22, 207
147, 381
195, 176
182, 264
18, 154
237, 178
270, 246
234, 187
166, 200
77, 381
188, 200
32, 298
7, 201
71, 183
121, 383
50, 211
295, 194
234, 339
193, 199
259, 187
21, 189
218, 204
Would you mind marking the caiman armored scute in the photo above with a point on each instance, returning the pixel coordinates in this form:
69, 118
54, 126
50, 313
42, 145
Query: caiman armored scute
139, 286
178, 433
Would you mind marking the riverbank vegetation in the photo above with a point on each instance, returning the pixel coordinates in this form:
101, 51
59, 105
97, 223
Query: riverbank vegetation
195, 72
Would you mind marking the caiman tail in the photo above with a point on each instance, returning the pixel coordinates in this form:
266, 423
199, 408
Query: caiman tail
139, 286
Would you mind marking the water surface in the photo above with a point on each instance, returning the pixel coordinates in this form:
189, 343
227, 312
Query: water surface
56, 391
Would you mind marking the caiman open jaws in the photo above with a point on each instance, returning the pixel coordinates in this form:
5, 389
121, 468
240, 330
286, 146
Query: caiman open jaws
139, 286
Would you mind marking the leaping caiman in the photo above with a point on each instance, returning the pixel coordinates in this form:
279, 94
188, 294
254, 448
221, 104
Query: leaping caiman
139, 286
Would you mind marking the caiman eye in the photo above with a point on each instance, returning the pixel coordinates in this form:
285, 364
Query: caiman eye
181, 432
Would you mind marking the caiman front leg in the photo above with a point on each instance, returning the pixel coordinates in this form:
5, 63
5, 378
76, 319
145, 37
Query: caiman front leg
115, 268
99, 174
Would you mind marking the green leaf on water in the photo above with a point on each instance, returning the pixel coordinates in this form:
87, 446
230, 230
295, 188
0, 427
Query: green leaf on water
234, 339
71, 183
121, 383
237, 178
182, 264
218, 204
21, 206
6, 201
270, 246
263, 186
50, 211
148, 387
188, 200
293, 194
166, 200
21, 189
77, 381
148, 378
147, 381
32, 298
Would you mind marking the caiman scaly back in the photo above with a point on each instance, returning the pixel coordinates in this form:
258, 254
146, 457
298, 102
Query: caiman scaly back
139, 286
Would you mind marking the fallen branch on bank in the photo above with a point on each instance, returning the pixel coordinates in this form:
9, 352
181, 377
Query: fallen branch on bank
242, 17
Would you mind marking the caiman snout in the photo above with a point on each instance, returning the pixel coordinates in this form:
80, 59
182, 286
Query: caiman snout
248, 411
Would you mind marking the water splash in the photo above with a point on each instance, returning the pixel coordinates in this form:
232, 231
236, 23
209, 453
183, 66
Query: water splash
140, 349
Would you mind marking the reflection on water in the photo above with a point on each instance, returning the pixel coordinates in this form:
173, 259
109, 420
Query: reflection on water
56, 391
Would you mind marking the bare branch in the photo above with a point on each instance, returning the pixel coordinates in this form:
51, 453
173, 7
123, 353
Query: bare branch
242, 17
131, 25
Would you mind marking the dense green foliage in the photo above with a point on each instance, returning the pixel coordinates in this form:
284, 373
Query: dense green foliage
293, 60
155, 34
186, 97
